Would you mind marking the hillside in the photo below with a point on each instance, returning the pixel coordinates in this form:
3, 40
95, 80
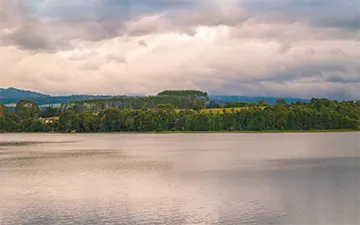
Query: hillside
13, 93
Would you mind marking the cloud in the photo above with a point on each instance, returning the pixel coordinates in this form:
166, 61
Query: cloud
28, 38
299, 48
284, 48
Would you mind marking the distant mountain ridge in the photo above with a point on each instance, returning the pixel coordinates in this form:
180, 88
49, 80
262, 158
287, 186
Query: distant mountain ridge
13, 95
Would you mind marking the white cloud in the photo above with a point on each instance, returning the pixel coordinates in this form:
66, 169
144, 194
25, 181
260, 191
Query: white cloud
216, 51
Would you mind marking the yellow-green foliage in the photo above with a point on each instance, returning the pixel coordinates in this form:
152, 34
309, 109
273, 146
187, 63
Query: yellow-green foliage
56, 105
50, 118
11, 105
229, 110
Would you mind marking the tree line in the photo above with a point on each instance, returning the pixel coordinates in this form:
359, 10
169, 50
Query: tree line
318, 114
183, 99
184, 93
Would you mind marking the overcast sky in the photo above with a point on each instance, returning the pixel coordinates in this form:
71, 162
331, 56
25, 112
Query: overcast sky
292, 48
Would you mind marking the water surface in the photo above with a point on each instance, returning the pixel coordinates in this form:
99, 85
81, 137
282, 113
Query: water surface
284, 178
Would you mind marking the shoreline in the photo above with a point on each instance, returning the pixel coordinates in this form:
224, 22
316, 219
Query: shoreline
197, 132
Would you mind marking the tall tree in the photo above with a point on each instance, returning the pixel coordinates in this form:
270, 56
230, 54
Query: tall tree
281, 101
27, 108
3, 110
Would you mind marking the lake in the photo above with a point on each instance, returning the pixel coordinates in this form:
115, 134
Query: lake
224, 178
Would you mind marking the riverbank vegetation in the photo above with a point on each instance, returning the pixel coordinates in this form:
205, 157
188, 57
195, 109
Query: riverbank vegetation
177, 111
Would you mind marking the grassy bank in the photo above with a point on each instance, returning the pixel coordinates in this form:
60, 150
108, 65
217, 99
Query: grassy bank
201, 132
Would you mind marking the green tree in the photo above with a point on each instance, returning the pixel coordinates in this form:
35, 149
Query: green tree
281, 101
157, 114
27, 108
10, 122
49, 112
212, 104
69, 121
3, 110
261, 102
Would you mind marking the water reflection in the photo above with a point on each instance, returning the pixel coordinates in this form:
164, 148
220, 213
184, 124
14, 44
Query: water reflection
180, 179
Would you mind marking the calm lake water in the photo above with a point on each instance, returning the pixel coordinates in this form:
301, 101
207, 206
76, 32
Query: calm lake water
297, 178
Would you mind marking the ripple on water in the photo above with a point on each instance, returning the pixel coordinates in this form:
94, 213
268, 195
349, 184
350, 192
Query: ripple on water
181, 179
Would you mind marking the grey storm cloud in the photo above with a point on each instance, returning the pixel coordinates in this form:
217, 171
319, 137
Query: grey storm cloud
53, 24
296, 48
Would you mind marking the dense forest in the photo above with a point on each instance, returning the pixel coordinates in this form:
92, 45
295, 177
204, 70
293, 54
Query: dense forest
186, 99
318, 114
222, 99
184, 93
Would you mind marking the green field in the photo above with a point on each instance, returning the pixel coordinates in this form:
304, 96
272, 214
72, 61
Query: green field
41, 106
49, 118
11, 105
51, 105
229, 110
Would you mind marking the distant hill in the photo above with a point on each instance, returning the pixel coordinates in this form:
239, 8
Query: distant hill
269, 100
13, 95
